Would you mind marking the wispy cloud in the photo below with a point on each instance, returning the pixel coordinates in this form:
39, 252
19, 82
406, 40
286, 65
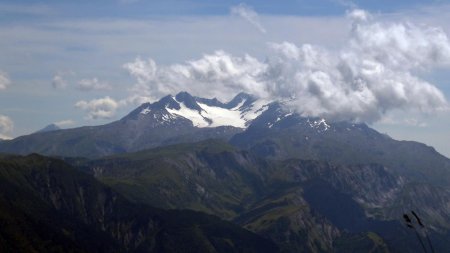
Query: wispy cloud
247, 12
6, 127
59, 81
399, 119
4, 80
62, 80
64, 123
92, 84
346, 3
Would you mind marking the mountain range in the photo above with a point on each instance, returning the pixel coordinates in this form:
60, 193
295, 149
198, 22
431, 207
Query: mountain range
251, 166
173, 119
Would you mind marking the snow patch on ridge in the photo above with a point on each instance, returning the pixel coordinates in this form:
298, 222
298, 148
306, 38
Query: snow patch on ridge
223, 117
204, 114
321, 125
256, 109
193, 115
238, 106
146, 111
215, 116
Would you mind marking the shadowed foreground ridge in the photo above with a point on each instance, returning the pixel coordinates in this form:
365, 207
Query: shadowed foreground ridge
302, 205
46, 206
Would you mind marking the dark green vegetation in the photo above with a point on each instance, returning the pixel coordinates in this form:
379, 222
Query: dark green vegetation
302, 205
47, 206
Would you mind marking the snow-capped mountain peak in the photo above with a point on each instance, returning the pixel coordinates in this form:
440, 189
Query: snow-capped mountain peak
203, 112
238, 112
242, 111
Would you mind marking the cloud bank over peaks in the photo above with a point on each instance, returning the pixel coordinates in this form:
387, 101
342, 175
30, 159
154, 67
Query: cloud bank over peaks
373, 73
219, 74
6, 127
403, 46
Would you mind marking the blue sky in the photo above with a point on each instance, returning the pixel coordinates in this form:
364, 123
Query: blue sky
55, 54
27, 10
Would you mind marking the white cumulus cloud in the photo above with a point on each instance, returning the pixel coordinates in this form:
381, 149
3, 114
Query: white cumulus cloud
102, 108
6, 127
373, 73
4, 80
359, 15
218, 74
247, 13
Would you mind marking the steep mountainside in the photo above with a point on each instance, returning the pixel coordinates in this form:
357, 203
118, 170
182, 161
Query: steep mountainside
46, 206
301, 205
49, 128
252, 124
281, 135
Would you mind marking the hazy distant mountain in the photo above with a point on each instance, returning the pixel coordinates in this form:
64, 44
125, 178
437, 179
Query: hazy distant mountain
49, 128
